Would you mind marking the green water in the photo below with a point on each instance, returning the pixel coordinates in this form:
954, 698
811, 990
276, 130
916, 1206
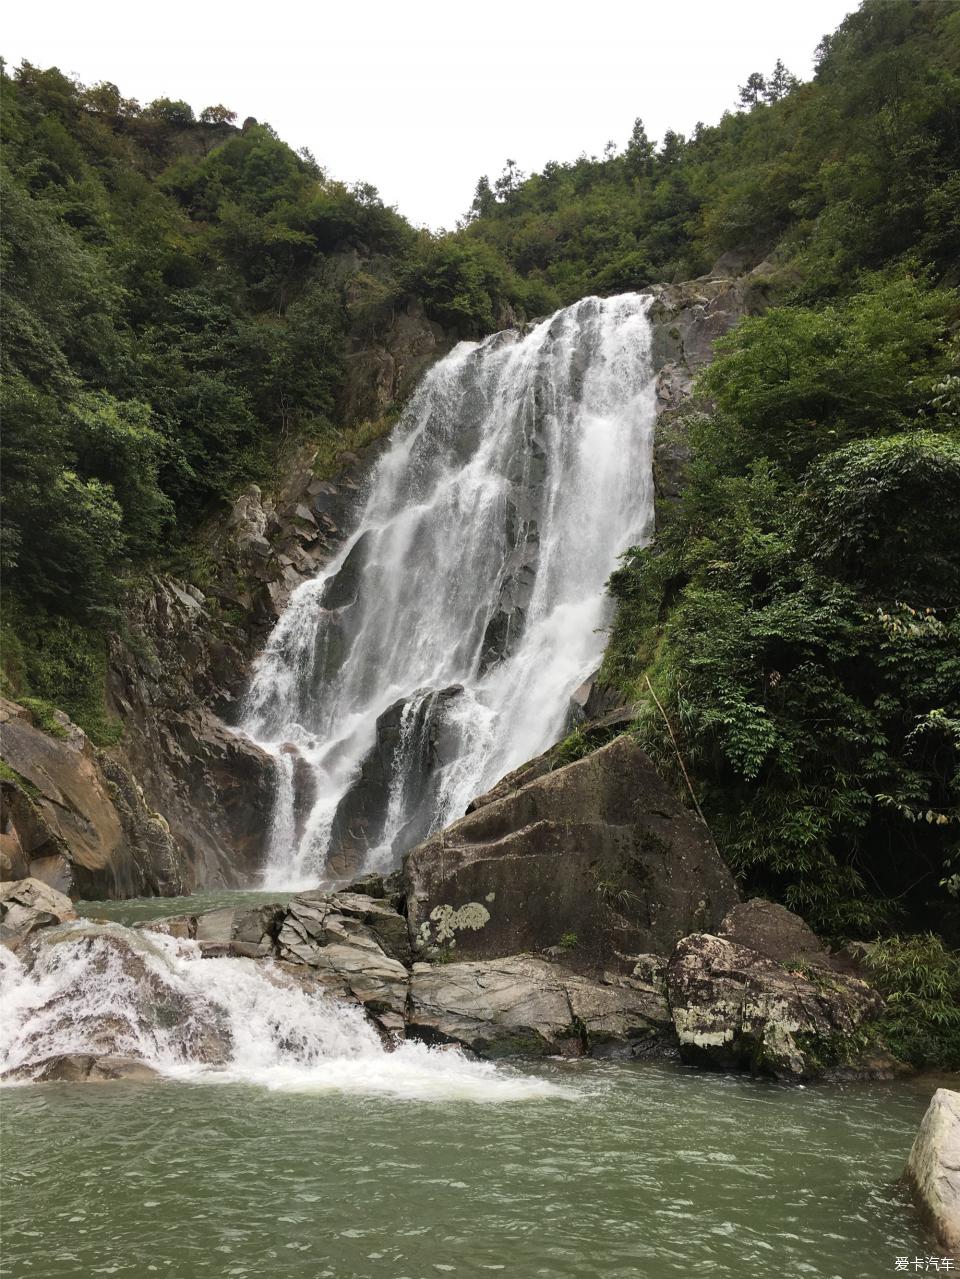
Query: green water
640, 1171
632, 1170
137, 910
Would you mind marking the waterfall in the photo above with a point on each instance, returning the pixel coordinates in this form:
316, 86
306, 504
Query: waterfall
103, 988
439, 649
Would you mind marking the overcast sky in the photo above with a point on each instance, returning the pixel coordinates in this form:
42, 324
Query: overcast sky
420, 97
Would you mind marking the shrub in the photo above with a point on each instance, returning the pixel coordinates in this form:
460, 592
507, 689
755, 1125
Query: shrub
920, 980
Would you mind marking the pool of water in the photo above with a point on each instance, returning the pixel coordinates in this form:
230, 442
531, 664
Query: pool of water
374, 1165
137, 910
618, 1170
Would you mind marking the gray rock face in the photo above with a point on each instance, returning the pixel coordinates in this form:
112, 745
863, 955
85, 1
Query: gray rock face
214, 787
736, 1009
383, 372
27, 905
599, 855
77, 819
687, 319
524, 1006
414, 741
933, 1169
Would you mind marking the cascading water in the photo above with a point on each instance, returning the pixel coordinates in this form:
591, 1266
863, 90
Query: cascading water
439, 649
93, 988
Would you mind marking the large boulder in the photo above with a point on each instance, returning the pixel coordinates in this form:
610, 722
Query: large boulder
525, 1006
792, 1017
933, 1169
27, 905
76, 818
599, 856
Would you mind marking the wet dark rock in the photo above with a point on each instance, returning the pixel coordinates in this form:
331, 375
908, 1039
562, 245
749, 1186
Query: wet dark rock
599, 854
591, 700
413, 736
75, 1068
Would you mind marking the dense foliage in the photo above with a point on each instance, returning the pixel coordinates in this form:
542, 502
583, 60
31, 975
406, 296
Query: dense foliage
799, 614
798, 617
179, 298
843, 174
920, 980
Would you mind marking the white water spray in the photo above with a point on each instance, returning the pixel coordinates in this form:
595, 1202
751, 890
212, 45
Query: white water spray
106, 989
472, 590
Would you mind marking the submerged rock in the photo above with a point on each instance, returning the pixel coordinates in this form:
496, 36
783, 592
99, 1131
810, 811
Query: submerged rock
933, 1169
599, 856
75, 1068
524, 1006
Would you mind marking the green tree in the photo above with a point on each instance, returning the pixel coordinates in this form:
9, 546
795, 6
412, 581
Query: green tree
754, 91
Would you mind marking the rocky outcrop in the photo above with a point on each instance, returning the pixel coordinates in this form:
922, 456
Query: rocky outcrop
352, 943
764, 996
380, 373
933, 1170
712, 1001
526, 1006
687, 319
76, 819
598, 855
27, 905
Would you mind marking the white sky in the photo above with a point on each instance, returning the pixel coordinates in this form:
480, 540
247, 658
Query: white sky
420, 97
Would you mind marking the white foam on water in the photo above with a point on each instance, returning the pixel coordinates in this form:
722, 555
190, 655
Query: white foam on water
104, 988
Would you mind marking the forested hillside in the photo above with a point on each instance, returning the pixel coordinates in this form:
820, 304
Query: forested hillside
181, 294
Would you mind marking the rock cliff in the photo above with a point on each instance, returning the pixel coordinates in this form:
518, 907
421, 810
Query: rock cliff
177, 672
598, 857
77, 819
